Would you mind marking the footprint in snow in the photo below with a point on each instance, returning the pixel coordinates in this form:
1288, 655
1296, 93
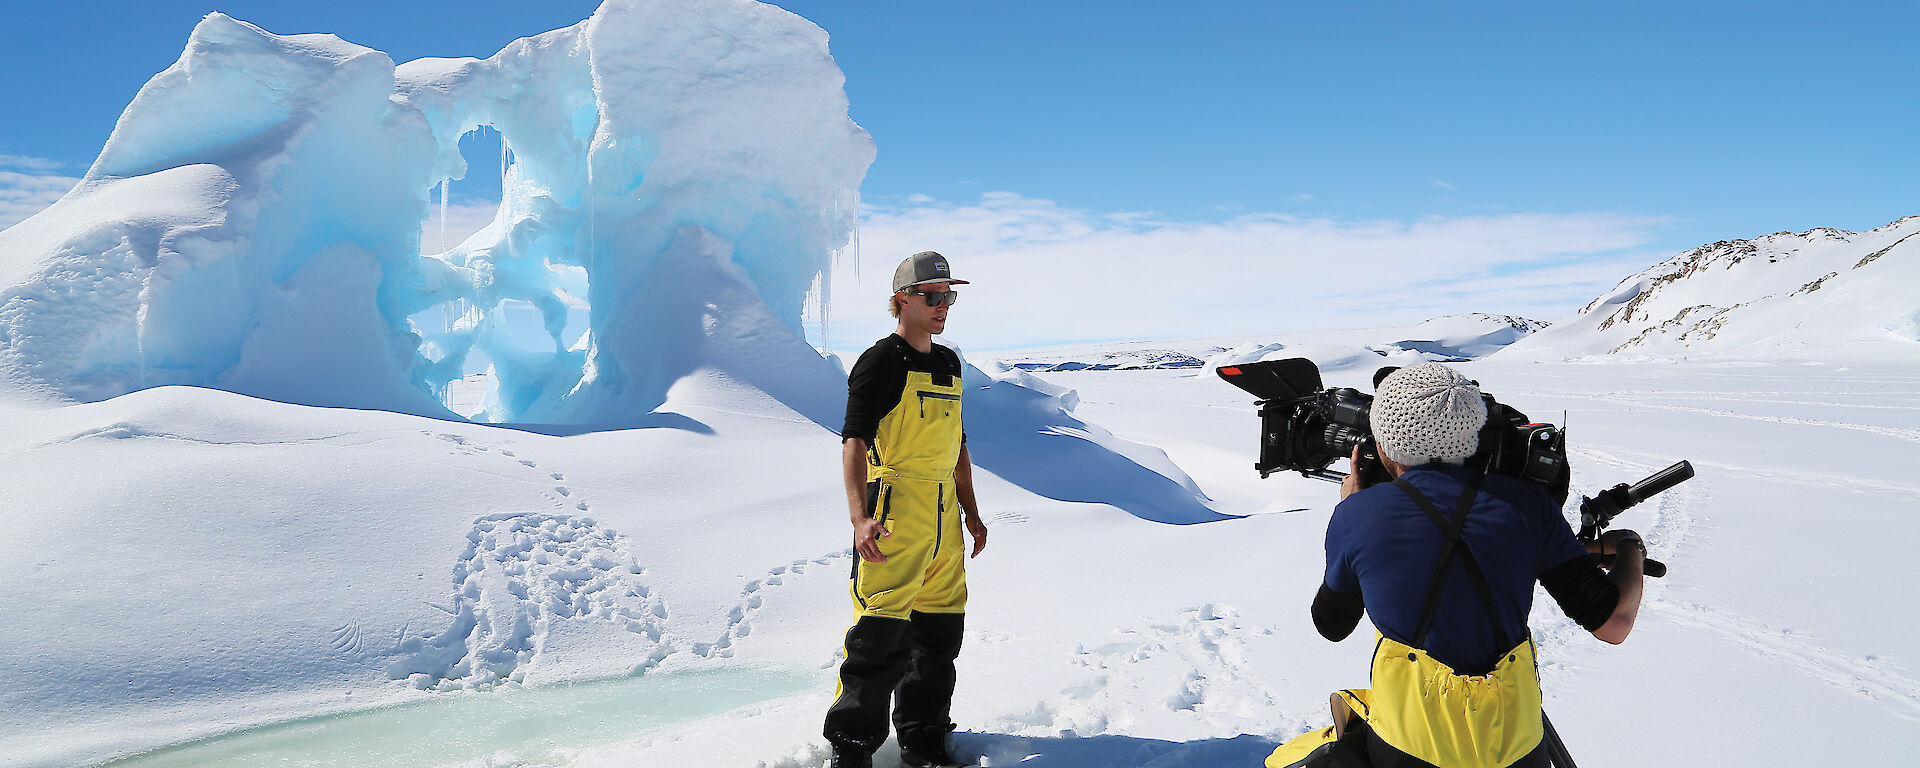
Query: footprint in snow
522, 575
752, 597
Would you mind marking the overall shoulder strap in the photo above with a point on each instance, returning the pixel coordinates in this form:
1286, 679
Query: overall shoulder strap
1451, 529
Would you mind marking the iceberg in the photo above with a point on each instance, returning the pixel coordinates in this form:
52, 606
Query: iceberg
688, 169
685, 168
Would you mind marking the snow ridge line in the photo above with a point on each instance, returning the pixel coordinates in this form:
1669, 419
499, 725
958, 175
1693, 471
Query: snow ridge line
1812, 479
1795, 397
1852, 483
1868, 677
127, 431
1909, 435
1808, 404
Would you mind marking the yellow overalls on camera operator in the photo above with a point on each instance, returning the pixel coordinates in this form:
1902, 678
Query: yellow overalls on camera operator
1444, 560
910, 494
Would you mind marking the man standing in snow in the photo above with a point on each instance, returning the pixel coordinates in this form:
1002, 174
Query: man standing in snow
1446, 558
909, 488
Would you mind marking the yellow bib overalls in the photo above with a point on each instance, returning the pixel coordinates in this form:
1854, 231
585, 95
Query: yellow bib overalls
910, 489
1424, 709
911, 608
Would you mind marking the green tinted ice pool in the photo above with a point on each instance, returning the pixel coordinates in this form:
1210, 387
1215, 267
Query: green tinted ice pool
536, 725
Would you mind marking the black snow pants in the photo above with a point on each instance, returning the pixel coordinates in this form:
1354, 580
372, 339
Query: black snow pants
908, 661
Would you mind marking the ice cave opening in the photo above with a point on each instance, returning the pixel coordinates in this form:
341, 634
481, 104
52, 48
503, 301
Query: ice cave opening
510, 301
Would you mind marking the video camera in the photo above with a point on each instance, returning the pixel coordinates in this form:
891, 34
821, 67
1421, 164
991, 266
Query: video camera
1305, 428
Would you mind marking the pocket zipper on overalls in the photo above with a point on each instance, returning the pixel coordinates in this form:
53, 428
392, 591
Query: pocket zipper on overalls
939, 515
886, 503
935, 395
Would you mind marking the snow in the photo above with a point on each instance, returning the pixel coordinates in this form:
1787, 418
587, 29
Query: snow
1784, 296
1024, 429
1468, 336
245, 528
192, 562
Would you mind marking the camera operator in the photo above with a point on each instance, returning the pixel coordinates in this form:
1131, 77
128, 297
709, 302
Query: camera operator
1444, 560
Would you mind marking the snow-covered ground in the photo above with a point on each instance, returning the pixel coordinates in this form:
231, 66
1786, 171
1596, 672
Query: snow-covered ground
1784, 296
241, 529
187, 563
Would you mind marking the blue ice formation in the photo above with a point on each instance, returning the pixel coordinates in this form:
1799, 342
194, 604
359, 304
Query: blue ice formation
686, 168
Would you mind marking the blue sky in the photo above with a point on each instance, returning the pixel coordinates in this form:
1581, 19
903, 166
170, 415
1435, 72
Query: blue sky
1681, 123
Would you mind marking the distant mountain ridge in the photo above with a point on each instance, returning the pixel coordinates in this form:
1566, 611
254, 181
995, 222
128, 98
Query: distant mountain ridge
1807, 294
1128, 360
1469, 335
1452, 338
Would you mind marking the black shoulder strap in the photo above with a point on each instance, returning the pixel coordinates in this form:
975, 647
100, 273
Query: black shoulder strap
1452, 530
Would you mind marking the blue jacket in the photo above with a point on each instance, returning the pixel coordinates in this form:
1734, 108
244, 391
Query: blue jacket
1381, 544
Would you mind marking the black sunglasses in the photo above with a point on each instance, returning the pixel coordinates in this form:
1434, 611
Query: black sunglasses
937, 298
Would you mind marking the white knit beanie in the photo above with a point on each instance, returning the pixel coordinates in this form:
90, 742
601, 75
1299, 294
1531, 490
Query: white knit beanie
1427, 412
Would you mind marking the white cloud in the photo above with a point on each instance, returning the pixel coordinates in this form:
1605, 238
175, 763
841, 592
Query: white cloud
1441, 184
1045, 273
30, 163
25, 194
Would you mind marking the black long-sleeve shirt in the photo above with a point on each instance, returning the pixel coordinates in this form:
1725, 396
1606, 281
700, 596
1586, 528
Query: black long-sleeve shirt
879, 376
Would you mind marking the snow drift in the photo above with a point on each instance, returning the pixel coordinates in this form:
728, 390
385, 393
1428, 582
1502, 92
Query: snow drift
1468, 336
1025, 430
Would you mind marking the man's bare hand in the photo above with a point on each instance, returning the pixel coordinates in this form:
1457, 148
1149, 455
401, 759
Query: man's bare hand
1350, 484
1609, 542
867, 533
978, 528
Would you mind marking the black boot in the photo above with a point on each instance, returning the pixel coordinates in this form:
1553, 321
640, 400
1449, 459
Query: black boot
850, 757
936, 757
928, 751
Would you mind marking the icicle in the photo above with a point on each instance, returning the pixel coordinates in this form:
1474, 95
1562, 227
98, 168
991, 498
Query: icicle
826, 282
826, 277
506, 159
443, 214
854, 242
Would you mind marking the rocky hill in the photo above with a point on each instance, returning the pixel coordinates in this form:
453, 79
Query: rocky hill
1812, 294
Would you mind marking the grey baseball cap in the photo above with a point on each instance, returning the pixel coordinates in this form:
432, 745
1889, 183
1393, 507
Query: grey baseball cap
922, 268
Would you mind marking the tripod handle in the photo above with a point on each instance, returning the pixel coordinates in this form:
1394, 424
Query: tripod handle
1680, 472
